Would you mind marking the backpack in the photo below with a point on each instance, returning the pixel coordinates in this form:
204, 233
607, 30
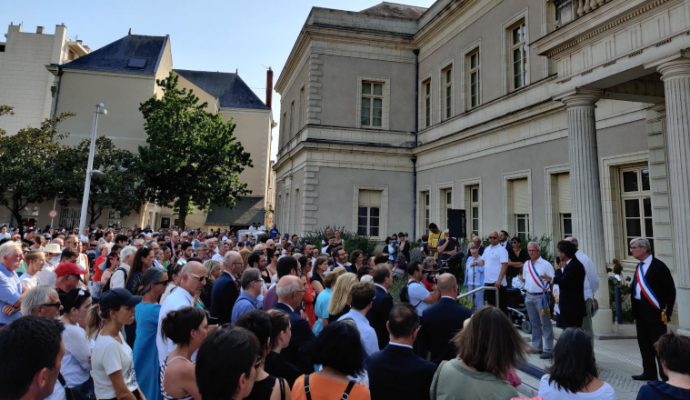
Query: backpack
107, 284
405, 295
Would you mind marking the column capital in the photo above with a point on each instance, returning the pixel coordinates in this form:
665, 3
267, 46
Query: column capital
579, 97
678, 68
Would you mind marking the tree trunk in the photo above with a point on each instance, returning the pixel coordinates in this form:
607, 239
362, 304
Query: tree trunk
16, 209
94, 213
183, 205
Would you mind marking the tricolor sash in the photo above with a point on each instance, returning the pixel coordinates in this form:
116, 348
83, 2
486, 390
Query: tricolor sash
644, 288
533, 273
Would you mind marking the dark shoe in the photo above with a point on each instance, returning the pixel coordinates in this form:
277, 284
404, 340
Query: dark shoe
546, 355
643, 377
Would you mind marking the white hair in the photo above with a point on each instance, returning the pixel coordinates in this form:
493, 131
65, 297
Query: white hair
127, 251
287, 289
36, 297
8, 248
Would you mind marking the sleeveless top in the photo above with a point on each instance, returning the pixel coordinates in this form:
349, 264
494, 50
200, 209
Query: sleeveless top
263, 389
165, 394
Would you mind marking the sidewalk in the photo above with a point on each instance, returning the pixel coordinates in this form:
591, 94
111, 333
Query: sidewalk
617, 359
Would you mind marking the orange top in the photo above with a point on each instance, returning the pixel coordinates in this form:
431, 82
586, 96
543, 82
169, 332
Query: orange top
326, 388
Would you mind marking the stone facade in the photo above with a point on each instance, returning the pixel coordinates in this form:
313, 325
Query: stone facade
538, 117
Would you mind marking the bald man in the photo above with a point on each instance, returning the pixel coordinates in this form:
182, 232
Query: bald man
443, 320
290, 291
226, 288
495, 268
192, 281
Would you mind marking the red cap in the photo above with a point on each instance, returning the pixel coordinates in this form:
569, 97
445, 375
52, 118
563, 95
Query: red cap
68, 268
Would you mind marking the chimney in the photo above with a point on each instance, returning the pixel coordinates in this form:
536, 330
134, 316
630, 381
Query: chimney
39, 30
269, 87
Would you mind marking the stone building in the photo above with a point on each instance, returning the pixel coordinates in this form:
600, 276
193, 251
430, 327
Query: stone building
539, 117
122, 75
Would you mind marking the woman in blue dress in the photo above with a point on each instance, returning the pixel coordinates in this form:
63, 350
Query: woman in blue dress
474, 276
146, 315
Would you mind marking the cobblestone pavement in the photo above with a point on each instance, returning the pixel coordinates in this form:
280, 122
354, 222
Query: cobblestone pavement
617, 360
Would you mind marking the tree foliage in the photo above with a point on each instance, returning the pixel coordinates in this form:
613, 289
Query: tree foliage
116, 188
191, 155
29, 161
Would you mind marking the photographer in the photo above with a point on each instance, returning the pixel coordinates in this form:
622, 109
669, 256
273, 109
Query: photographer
420, 298
447, 247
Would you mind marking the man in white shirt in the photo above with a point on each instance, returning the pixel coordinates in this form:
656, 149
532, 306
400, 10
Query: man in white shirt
192, 281
591, 285
362, 300
119, 277
537, 273
495, 267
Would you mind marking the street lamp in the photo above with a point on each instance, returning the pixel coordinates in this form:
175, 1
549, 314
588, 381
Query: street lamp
100, 110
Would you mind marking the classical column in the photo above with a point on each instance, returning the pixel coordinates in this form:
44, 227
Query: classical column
586, 194
676, 77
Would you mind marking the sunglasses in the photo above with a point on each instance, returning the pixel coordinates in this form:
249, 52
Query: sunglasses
199, 278
57, 304
162, 283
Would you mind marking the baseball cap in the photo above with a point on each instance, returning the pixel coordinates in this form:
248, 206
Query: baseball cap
68, 268
116, 298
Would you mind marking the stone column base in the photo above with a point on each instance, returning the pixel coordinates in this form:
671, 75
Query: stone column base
602, 323
681, 312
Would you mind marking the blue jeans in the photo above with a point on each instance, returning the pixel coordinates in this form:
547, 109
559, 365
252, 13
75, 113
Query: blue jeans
541, 324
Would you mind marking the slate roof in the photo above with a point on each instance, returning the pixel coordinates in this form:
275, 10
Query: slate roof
230, 90
247, 210
132, 54
395, 10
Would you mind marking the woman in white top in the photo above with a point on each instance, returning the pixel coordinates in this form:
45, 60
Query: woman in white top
76, 364
112, 367
574, 374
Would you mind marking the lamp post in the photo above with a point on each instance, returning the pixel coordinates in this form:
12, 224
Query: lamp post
100, 110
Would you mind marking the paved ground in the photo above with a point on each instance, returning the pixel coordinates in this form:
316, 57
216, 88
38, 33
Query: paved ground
617, 360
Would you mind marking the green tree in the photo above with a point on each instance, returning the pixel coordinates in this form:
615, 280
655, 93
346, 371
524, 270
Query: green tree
192, 156
29, 166
116, 187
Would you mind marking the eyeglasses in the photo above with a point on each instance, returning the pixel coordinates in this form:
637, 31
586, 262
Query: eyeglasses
199, 278
493, 237
57, 304
165, 282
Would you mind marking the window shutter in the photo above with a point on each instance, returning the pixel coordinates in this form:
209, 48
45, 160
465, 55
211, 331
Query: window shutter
521, 199
369, 198
564, 193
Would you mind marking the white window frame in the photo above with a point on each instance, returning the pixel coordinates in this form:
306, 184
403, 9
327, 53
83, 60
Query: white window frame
446, 93
467, 185
640, 195
383, 211
510, 219
292, 117
421, 208
521, 16
443, 191
302, 107
554, 224
524, 54
517, 232
469, 71
426, 99
386, 94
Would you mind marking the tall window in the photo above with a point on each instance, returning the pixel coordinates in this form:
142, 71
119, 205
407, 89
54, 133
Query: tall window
518, 55
426, 107
371, 113
368, 212
474, 207
637, 204
302, 107
424, 208
520, 207
447, 95
446, 204
563, 207
292, 117
473, 82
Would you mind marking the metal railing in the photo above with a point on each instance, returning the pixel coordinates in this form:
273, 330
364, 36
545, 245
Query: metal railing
479, 289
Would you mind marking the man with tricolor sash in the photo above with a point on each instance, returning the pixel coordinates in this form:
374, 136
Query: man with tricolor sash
537, 274
653, 296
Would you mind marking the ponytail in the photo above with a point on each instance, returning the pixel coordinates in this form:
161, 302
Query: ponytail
93, 320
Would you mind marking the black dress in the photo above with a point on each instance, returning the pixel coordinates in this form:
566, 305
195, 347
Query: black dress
263, 389
276, 365
522, 257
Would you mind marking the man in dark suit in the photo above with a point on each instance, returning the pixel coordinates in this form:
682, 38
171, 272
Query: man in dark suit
653, 295
396, 372
383, 303
290, 291
443, 320
225, 289
570, 278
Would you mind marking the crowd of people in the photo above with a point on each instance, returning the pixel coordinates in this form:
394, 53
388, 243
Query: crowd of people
175, 314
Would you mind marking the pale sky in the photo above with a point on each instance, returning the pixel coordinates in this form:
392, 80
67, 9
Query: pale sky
208, 35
